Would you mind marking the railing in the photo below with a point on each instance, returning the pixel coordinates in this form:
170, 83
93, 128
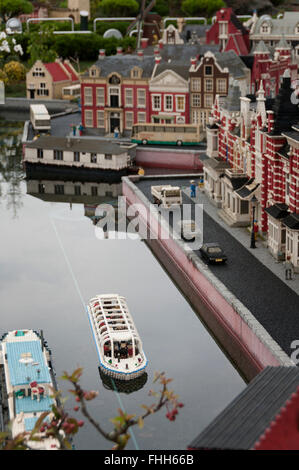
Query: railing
30, 20
110, 19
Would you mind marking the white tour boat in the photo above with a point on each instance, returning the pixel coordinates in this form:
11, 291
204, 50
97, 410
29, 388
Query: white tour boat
26, 384
117, 340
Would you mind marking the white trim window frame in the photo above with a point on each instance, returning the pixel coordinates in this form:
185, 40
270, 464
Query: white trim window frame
141, 97
129, 97
177, 107
100, 96
168, 102
129, 116
100, 119
156, 102
141, 117
88, 117
88, 96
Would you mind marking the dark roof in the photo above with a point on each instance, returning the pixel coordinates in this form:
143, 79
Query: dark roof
245, 191
248, 60
182, 70
286, 113
77, 145
123, 64
238, 24
232, 61
242, 423
199, 29
237, 182
292, 221
216, 163
284, 150
292, 135
278, 210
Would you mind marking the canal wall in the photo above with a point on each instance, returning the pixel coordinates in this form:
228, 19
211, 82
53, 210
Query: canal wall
242, 337
178, 158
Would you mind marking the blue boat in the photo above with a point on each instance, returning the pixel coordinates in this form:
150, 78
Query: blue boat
26, 384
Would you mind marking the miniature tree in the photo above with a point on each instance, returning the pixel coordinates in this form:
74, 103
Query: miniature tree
62, 426
9, 8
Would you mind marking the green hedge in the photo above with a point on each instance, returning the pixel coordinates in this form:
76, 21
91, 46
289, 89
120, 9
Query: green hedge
85, 47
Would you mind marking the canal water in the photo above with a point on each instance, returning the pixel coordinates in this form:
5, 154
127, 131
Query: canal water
52, 263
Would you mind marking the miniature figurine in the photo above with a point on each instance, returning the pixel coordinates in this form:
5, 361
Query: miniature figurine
288, 269
255, 229
192, 188
116, 132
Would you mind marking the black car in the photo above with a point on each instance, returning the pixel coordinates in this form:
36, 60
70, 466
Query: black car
212, 253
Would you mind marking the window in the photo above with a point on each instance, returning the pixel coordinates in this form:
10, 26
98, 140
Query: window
77, 190
93, 158
76, 156
141, 117
100, 93
94, 190
41, 188
208, 84
135, 73
203, 119
40, 153
195, 117
208, 70
59, 189
157, 102
141, 98
208, 101
244, 207
100, 119
58, 155
223, 28
38, 72
221, 85
129, 120
195, 84
180, 103
168, 102
129, 96
88, 118
88, 96
196, 100
108, 156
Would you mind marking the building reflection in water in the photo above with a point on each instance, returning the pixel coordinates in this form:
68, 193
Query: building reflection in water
11, 170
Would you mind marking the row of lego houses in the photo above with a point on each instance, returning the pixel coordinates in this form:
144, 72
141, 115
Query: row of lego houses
251, 168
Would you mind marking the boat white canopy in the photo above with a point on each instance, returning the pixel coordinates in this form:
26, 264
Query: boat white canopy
113, 321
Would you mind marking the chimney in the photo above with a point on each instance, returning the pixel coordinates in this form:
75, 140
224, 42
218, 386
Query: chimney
102, 53
119, 51
193, 61
144, 43
158, 59
160, 42
156, 51
140, 54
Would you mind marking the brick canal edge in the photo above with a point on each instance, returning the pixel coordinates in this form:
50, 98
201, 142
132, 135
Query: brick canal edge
241, 336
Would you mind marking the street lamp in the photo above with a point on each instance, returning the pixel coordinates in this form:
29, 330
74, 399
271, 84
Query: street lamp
252, 239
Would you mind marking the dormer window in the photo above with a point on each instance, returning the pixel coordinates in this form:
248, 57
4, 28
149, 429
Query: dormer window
265, 28
93, 72
114, 80
136, 72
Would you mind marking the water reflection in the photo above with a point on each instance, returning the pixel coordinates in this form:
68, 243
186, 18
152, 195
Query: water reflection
123, 386
11, 170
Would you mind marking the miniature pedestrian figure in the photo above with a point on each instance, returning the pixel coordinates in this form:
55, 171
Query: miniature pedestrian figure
140, 171
288, 269
192, 188
74, 129
80, 129
255, 229
201, 182
116, 132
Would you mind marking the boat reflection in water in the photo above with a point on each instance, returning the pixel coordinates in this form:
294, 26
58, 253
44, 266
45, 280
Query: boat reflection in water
123, 386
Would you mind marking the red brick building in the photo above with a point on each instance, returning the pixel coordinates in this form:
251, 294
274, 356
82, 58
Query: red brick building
229, 33
253, 165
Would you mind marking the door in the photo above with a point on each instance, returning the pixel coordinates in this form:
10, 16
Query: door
31, 94
114, 122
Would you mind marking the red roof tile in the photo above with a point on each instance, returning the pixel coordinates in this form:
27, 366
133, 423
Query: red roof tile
57, 72
74, 76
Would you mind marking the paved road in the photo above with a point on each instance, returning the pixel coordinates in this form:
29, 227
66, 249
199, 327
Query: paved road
270, 300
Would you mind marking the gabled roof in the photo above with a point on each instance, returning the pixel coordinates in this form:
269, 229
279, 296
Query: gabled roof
242, 423
292, 221
277, 211
70, 69
56, 71
231, 61
261, 48
279, 26
123, 65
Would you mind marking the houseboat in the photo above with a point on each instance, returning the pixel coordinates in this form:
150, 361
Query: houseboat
79, 158
117, 340
26, 384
